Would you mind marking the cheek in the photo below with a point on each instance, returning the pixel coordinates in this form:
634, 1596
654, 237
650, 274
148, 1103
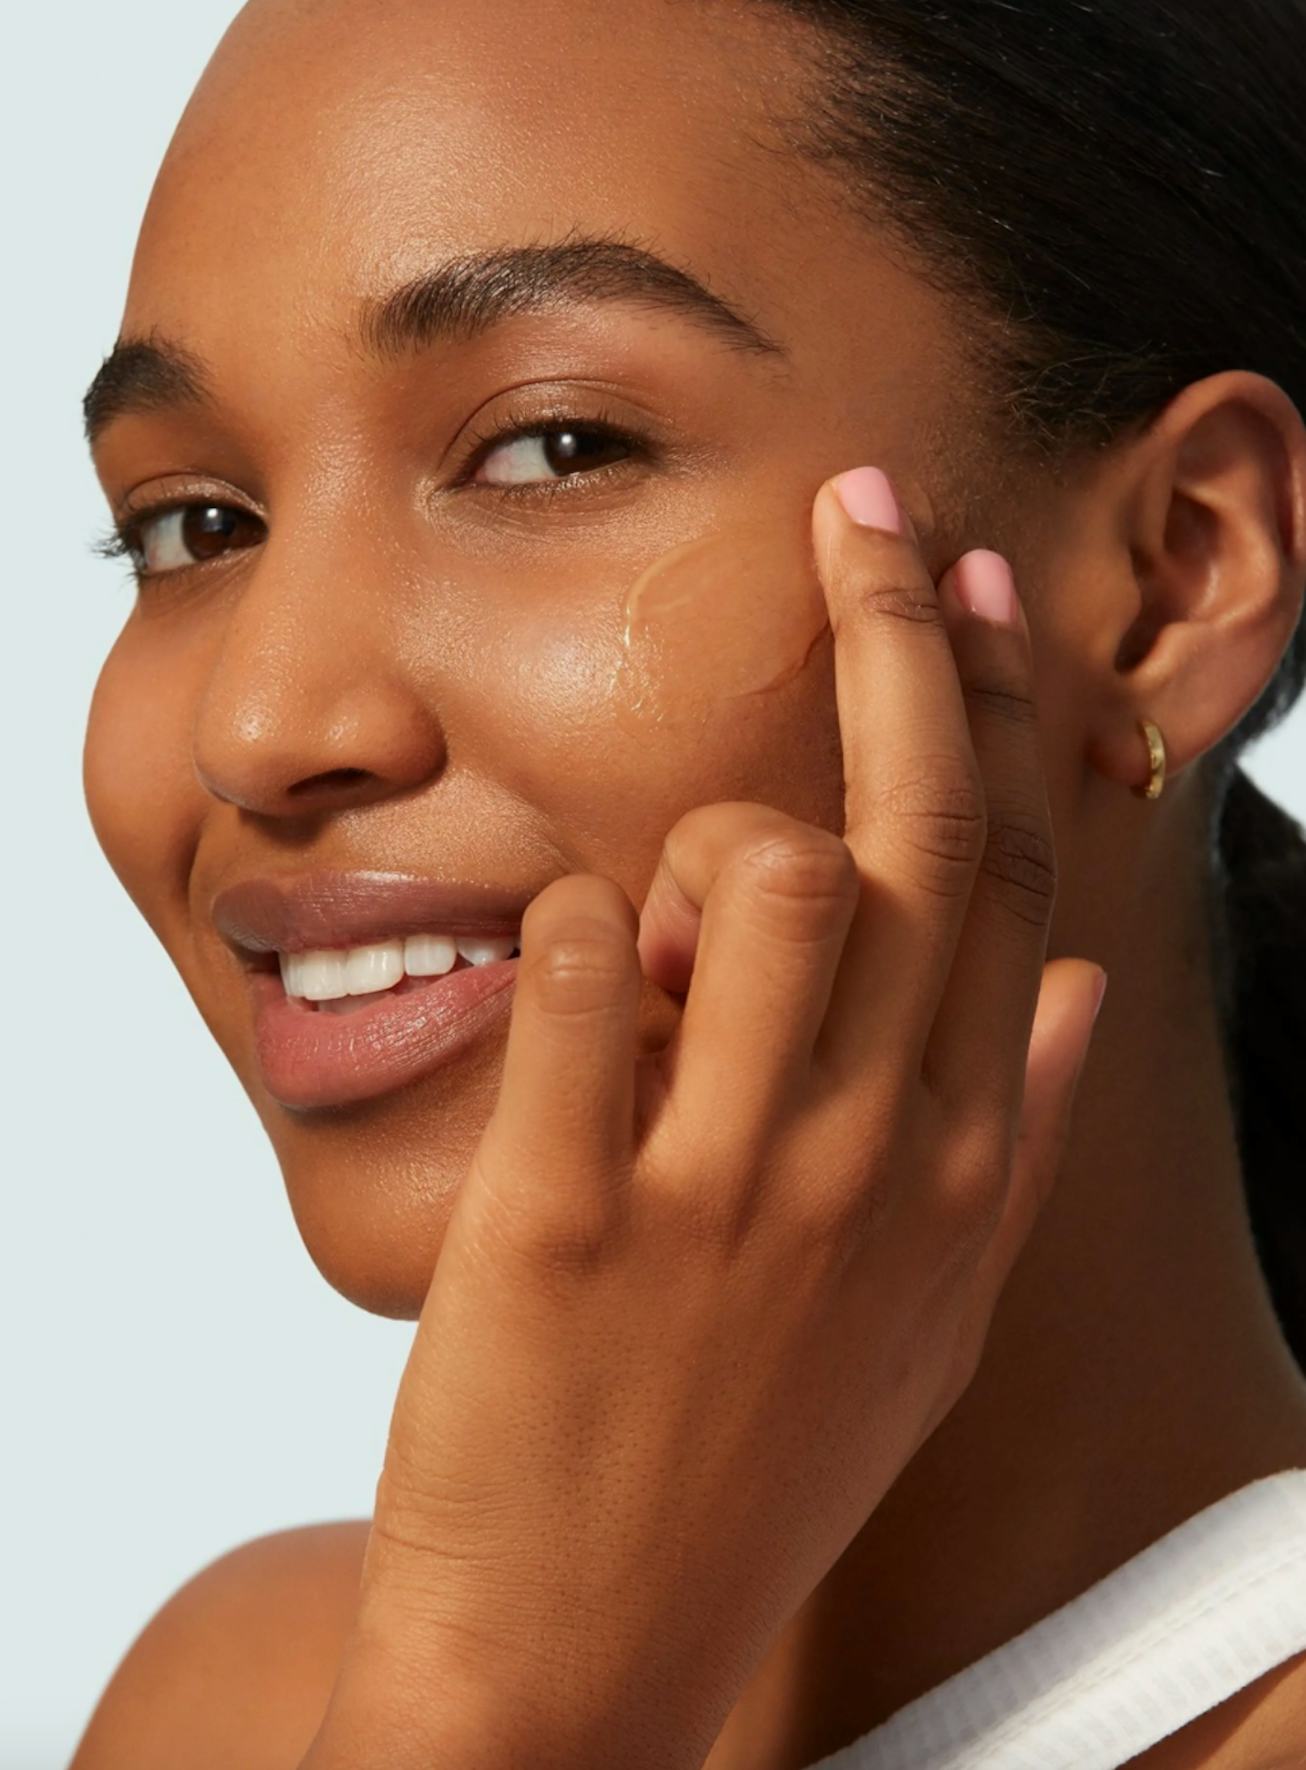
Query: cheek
707, 676
143, 800
718, 620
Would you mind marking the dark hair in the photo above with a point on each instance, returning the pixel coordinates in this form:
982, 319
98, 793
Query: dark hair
1115, 189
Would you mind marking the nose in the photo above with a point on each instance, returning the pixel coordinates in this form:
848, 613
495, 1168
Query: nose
309, 705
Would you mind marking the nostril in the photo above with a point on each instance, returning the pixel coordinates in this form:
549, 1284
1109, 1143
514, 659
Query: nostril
333, 777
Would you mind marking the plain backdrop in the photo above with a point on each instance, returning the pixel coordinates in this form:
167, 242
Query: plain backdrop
178, 1376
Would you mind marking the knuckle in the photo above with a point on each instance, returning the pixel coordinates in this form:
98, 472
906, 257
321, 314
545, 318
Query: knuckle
970, 1191
1020, 859
1006, 700
578, 946
804, 872
917, 603
940, 816
581, 971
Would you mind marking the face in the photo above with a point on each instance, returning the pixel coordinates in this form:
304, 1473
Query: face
486, 593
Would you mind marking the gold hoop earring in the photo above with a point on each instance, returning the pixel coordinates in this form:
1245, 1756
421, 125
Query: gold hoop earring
1156, 760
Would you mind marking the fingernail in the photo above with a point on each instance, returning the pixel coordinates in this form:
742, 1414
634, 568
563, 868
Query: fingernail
1097, 1002
986, 587
868, 498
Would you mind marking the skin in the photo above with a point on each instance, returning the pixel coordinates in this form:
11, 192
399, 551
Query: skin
383, 633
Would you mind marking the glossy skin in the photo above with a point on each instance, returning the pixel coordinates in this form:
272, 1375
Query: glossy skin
458, 648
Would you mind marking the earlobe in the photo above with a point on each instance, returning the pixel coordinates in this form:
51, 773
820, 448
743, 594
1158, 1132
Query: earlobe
1216, 494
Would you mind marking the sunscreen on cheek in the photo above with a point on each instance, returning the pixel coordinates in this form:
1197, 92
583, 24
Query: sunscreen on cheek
730, 613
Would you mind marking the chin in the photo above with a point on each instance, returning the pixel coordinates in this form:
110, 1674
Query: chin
372, 1186
377, 1240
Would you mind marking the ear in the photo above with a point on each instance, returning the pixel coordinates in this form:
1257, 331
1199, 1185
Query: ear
1212, 497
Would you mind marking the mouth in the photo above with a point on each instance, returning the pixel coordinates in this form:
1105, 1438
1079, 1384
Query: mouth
429, 974
316, 1054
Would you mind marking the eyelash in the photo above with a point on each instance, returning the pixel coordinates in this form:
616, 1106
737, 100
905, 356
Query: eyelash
122, 539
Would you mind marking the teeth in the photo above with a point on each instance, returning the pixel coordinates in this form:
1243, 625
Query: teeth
369, 968
317, 975
481, 952
429, 955
332, 974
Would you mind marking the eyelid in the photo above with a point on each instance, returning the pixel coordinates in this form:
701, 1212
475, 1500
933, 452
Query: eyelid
133, 521
182, 489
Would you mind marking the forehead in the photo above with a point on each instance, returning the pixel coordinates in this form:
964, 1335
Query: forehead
335, 148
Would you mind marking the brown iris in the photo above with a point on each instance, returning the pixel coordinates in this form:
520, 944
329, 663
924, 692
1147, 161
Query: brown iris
210, 529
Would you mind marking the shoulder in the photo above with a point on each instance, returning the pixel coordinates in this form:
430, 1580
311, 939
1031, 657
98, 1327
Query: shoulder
237, 1666
1261, 1727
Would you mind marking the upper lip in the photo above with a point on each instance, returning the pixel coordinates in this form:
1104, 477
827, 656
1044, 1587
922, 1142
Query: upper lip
296, 912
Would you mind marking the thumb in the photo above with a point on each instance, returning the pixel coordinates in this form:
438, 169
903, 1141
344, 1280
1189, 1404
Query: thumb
1064, 1020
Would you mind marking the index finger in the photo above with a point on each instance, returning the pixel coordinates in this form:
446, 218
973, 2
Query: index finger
913, 791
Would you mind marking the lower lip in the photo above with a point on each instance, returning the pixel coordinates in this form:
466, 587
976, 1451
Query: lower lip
313, 1058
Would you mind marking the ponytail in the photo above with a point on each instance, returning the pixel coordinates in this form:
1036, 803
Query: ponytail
1259, 951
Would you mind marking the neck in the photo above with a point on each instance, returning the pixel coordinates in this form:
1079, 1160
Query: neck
1134, 1373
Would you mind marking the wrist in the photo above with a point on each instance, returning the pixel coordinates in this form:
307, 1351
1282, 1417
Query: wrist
388, 1713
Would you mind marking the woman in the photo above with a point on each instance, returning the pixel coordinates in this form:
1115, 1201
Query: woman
782, 516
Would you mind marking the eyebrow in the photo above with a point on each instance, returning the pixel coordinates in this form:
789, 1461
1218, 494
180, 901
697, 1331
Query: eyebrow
456, 301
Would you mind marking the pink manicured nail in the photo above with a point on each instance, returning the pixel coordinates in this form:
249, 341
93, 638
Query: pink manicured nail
867, 496
986, 586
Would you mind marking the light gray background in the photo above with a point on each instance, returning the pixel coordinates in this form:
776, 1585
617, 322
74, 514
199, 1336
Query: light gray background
179, 1378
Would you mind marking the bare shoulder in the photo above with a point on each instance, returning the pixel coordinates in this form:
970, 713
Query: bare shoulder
237, 1666
1261, 1727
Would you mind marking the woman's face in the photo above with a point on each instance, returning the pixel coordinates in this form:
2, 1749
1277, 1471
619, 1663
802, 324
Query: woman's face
376, 657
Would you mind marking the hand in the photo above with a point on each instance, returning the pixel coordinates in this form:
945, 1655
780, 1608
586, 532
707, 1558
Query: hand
695, 1311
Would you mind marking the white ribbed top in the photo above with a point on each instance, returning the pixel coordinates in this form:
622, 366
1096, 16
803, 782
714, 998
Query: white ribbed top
1181, 1626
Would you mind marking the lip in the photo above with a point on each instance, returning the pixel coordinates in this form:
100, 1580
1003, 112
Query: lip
297, 912
311, 1059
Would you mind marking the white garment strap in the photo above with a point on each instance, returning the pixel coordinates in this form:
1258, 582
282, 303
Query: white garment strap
1181, 1626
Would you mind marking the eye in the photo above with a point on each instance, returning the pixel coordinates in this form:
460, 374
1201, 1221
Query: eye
182, 535
525, 456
